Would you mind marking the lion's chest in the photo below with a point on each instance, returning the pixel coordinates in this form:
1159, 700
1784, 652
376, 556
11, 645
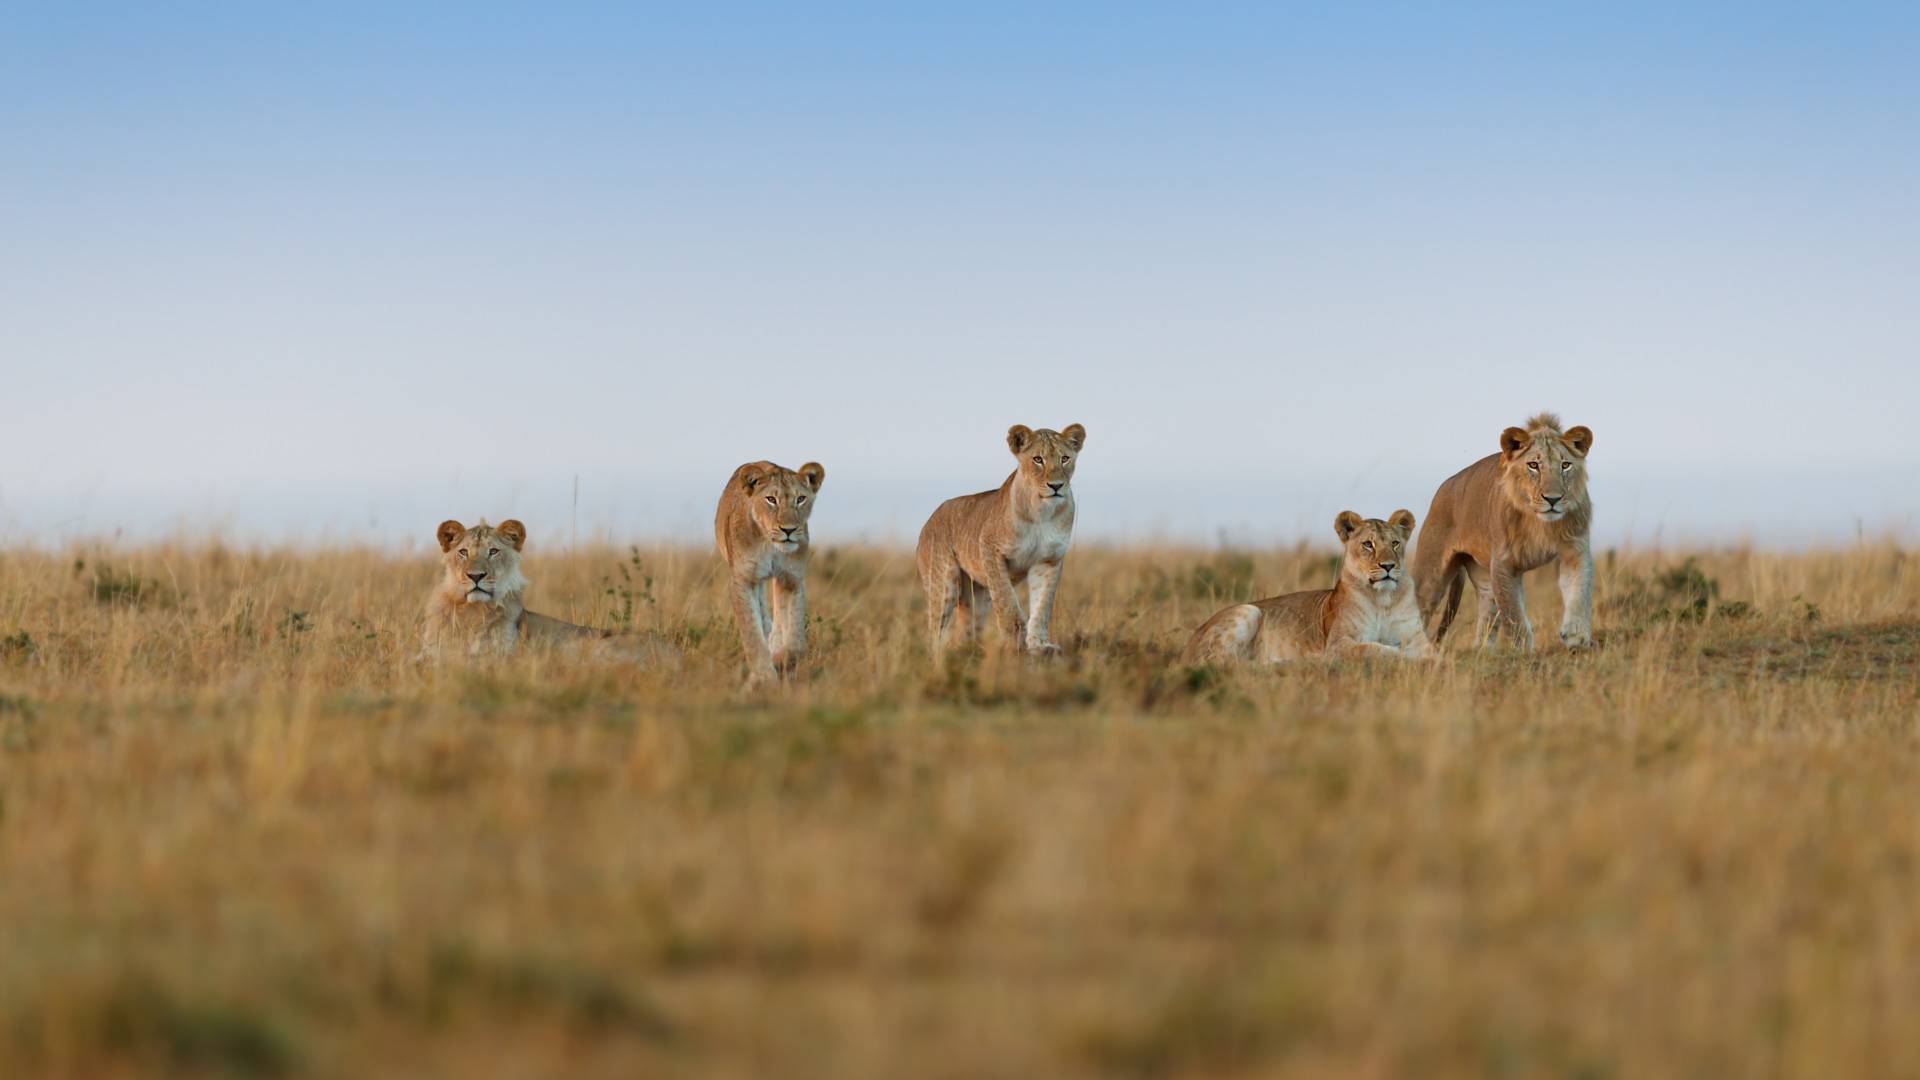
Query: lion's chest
1042, 541
774, 563
1529, 547
1390, 620
486, 629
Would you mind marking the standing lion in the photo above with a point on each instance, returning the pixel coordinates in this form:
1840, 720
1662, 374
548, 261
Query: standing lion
1502, 516
761, 530
976, 548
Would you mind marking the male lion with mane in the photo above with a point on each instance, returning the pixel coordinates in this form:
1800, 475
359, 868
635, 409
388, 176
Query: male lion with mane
1502, 516
1369, 612
976, 548
477, 608
761, 529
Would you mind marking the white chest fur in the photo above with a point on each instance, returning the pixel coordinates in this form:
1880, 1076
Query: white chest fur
773, 562
1392, 619
1042, 540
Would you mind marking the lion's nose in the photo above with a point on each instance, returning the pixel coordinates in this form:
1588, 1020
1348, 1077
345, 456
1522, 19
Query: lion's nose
1056, 487
1553, 500
479, 577
789, 530
1388, 565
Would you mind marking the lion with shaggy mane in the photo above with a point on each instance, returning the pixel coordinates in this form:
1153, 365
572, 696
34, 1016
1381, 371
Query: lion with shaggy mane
1504, 515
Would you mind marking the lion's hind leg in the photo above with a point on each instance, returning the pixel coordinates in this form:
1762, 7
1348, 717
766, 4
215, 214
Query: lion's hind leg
1228, 637
976, 609
944, 585
1446, 597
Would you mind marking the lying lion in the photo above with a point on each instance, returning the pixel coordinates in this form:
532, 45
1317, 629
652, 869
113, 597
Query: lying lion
1369, 612
476, 610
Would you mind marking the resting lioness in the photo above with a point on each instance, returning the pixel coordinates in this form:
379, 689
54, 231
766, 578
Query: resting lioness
976, 548
1370, 611
1504, 515
761, 530
477, 608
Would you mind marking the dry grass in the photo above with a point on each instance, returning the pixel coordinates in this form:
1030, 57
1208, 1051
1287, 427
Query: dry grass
241, 835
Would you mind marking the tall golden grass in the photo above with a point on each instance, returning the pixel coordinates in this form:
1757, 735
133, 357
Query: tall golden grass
241, 833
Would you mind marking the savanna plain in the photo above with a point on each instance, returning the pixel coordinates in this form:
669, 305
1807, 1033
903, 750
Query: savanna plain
242, 833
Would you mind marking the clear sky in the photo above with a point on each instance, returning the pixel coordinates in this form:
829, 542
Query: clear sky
338, 270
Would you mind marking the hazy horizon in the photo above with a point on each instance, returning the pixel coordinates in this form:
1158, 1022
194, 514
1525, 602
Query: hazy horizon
347, 271
1635, 512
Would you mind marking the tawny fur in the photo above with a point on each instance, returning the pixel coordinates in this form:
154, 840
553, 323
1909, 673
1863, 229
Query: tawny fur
761, 530
1502, 516
976, 549
1369, 612
478, 608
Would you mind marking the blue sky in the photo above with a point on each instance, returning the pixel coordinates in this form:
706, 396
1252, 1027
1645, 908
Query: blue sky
347, 270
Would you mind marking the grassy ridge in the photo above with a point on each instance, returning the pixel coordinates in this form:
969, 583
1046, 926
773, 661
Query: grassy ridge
242, 834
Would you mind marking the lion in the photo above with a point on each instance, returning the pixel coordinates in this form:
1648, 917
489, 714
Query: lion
975, 549
477, 610
1369, 612
1502, 516
761, 530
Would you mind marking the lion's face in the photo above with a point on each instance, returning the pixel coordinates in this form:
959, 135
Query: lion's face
482, 564
1543, 469
1375, 549
781, 501
1047, 457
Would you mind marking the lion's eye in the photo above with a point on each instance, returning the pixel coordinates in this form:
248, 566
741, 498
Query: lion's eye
1367, 544
463, 553
1565, 466
771, 501
1396, 545
800, 501
1533, 466
1063, 460
1039, 461
491, 552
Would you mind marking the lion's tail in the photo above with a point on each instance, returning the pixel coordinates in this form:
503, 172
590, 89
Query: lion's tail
1451, 586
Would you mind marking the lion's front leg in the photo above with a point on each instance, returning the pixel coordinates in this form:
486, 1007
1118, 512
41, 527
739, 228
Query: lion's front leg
1510, 606
1576, 596
1041, 582
1413, 639
1006, 602
789, 641
750, 612
1346, 648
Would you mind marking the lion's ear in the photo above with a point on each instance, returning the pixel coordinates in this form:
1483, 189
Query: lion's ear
515, 532
1018, 436
1076, 436
1580, 440
449, 531
1513, 441
1347, 523
1402, 520
814, 474
750, 477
